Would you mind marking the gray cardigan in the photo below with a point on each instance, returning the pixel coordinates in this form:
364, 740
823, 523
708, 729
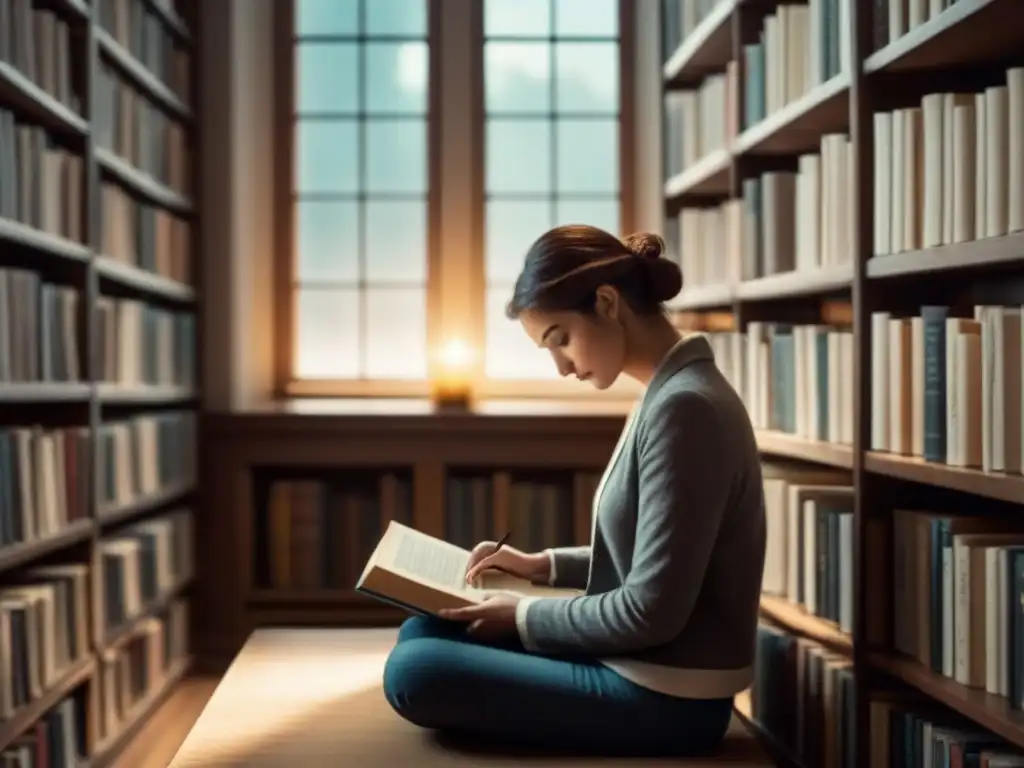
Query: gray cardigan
673, 573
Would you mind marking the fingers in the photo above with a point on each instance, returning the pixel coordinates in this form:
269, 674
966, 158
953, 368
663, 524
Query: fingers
466, 613
491, 561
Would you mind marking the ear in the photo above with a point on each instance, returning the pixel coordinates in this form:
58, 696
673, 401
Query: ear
606, 303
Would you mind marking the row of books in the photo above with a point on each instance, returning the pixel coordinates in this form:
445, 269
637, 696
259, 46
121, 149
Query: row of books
800, 220
44, 482
796, 379
130, 671
38, 329
134, 25
142, 565
803, 695
58, 738
948, 388
800, 47
785, 221
36, 41
137, 343
950, 170
143, 344
539, 513
144, 235
707, 243
680, 18
44, 628
41, 182
136, 130
145, 456
895, 18
809, 550
699, 121
317, 533
966, 577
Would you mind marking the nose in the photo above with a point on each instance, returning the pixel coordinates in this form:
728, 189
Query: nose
565, 368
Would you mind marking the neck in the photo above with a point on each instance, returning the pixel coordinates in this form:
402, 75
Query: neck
648, 343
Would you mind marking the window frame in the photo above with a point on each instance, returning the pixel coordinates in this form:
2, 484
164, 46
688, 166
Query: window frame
285, 246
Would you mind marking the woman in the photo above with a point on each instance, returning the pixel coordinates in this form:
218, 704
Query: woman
646, 662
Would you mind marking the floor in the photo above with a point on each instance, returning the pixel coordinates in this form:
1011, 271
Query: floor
281, 704
163, 734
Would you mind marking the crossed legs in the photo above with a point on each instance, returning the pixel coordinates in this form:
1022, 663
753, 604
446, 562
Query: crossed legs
438, 677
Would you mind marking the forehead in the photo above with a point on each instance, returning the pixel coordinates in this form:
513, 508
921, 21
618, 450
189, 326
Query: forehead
536, 324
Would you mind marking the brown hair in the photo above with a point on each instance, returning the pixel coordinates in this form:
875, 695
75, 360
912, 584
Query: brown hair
566, 265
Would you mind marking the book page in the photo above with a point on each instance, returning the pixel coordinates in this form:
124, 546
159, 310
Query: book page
430, 560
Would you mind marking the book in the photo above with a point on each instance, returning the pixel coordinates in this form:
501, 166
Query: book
423, 574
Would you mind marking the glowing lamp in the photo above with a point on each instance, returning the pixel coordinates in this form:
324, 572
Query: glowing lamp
453, 380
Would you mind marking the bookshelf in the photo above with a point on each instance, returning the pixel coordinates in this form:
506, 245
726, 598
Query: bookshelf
855, 288
98, 379
296, 475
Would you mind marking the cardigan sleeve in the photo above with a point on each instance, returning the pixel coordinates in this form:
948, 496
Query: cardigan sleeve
570, 566
684, 485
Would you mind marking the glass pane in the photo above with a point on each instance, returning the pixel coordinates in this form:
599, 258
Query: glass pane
588, 156
327, 333
396, 78
328, 240
396, 333
517, 77
327, 152
520, 18
518, 156
597, 213
396, 17
509, 353
396, 156
587, 77
325, 77
587, 18
396, 241
327, 17
512, 226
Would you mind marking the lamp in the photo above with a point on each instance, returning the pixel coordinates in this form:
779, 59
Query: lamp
453, 381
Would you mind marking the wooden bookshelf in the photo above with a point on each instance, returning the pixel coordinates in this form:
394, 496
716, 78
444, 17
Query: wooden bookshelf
99, 265
774, 443
991, 712
706, 49
966, 46
989, 485
797, 126
796, 619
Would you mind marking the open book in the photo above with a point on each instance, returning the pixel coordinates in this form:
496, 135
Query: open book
425, 575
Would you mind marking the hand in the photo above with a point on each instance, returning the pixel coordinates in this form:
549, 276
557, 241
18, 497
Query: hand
492, 619
508, 559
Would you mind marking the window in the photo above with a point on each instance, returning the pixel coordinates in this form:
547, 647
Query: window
552, 106
376, 191
360, 182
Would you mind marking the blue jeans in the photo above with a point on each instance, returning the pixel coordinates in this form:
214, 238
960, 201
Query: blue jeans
439, 677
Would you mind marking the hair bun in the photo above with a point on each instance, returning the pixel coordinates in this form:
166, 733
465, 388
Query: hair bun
646, 245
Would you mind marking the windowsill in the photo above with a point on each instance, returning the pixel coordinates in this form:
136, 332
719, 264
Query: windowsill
423, 408
624, 390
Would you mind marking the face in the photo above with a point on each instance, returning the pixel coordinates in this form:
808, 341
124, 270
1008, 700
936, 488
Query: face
589, 347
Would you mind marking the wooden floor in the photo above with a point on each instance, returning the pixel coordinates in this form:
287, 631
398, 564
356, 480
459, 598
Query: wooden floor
159, 739
307, 697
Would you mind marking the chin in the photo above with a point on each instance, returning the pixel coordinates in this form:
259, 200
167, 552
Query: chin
600, 383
